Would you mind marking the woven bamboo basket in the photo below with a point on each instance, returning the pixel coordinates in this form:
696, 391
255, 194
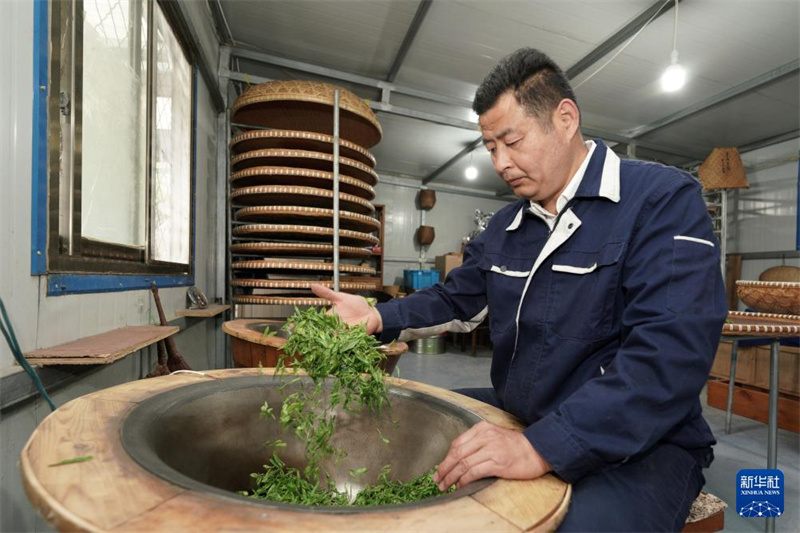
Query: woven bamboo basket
300, 177
723, 169
298, 249
298, 140
305, 196
291, 232
781, 273
427, 198
307, 106
779, 297
316, 216
426, 235
274, 157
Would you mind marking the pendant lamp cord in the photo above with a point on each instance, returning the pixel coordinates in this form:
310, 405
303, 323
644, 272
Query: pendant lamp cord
11, 339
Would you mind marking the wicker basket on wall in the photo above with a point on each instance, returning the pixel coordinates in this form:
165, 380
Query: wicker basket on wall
723, 169
426, 234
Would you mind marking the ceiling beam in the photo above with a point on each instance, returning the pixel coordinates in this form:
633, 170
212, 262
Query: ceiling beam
652, 12
746, 87
453, 160
769, 141
419, 17
334, 74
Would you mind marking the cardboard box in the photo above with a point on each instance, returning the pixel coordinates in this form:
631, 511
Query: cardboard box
446, 263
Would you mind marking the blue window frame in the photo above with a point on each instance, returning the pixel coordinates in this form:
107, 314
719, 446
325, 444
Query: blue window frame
115, 272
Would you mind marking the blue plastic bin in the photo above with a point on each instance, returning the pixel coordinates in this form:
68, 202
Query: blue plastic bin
419, 279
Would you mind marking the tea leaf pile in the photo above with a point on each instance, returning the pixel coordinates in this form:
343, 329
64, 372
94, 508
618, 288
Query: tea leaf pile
326, 347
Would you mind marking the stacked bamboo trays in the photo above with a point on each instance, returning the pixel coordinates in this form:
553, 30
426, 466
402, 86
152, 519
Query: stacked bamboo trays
282, 179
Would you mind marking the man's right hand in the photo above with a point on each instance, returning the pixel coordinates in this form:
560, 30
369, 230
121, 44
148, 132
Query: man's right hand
351, 308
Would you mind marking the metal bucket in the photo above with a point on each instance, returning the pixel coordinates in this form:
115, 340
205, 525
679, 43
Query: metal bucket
429, 346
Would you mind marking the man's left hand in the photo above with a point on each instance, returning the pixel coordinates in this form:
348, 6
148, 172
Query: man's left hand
489, 450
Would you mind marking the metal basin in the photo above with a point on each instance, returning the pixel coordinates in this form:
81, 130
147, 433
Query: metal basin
275, 326
209, 437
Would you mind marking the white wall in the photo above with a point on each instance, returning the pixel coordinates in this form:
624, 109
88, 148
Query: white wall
42, 321
763, 218
452, 218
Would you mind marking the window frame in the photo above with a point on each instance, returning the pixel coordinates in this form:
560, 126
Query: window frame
91, 266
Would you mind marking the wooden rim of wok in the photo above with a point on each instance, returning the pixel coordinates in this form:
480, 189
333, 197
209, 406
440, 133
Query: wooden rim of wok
112, 492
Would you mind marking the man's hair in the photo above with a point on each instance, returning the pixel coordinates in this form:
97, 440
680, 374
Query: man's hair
538, 84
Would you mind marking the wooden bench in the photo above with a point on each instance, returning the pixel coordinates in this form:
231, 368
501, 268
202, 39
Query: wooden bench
706, 515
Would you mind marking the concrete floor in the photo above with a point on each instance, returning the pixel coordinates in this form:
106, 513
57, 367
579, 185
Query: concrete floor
745, 447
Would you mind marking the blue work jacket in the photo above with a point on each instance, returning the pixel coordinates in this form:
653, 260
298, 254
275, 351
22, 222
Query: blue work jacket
605, 328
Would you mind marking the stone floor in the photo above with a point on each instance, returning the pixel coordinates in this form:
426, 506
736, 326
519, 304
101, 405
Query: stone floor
744, 448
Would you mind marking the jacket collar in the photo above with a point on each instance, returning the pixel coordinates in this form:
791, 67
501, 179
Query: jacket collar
600, 180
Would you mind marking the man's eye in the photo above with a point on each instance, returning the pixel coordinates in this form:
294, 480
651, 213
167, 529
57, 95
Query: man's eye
512, 143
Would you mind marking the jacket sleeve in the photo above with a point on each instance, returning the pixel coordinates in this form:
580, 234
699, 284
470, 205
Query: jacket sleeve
674, 308
458, 305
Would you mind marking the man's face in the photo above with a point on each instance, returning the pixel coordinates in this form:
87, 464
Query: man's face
535, 162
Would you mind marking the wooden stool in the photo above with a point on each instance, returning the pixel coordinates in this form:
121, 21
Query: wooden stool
706, 514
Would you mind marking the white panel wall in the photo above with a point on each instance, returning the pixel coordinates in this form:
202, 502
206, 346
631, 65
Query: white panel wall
41, 321
763, 218
452, 218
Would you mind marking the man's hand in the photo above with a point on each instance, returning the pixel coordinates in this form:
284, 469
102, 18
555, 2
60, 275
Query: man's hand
487, 450
351, 308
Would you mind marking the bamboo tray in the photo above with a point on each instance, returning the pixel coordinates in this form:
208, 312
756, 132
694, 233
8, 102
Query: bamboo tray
303, 159
306, 266
299, 284
307, 106
303, 233
317, 216
301, 177
305, 196
281, 300
298, 140
293, 249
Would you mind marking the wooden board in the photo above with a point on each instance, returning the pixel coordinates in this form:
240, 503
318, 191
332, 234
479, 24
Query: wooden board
211, 310
103, 348
113, 493
754, 403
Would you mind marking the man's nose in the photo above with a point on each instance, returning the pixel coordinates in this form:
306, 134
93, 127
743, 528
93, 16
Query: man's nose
502, 162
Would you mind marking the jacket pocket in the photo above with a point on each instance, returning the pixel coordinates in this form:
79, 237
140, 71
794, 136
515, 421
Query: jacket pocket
505, 280
695, 265
583, 291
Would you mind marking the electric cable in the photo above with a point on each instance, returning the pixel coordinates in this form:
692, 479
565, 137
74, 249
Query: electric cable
618, 52
11, 340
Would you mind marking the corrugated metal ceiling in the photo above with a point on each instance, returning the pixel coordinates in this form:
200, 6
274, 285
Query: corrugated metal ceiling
723, 44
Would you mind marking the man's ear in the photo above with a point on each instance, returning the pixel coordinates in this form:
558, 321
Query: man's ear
567, 117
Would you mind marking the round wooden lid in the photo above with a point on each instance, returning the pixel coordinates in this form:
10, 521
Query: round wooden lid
292, 265
307, 215
305, 196
298, 140
307, 106
300, 284
301, 177
303, 233
298, 249
275, 157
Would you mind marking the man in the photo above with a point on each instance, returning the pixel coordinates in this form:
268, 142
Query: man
606, 304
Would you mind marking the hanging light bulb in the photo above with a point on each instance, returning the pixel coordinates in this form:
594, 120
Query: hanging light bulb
471, 172
674, 78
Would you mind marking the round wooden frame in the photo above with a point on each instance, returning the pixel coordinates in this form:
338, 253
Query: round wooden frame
298, 140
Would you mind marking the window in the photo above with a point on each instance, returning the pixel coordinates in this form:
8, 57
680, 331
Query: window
119, 141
